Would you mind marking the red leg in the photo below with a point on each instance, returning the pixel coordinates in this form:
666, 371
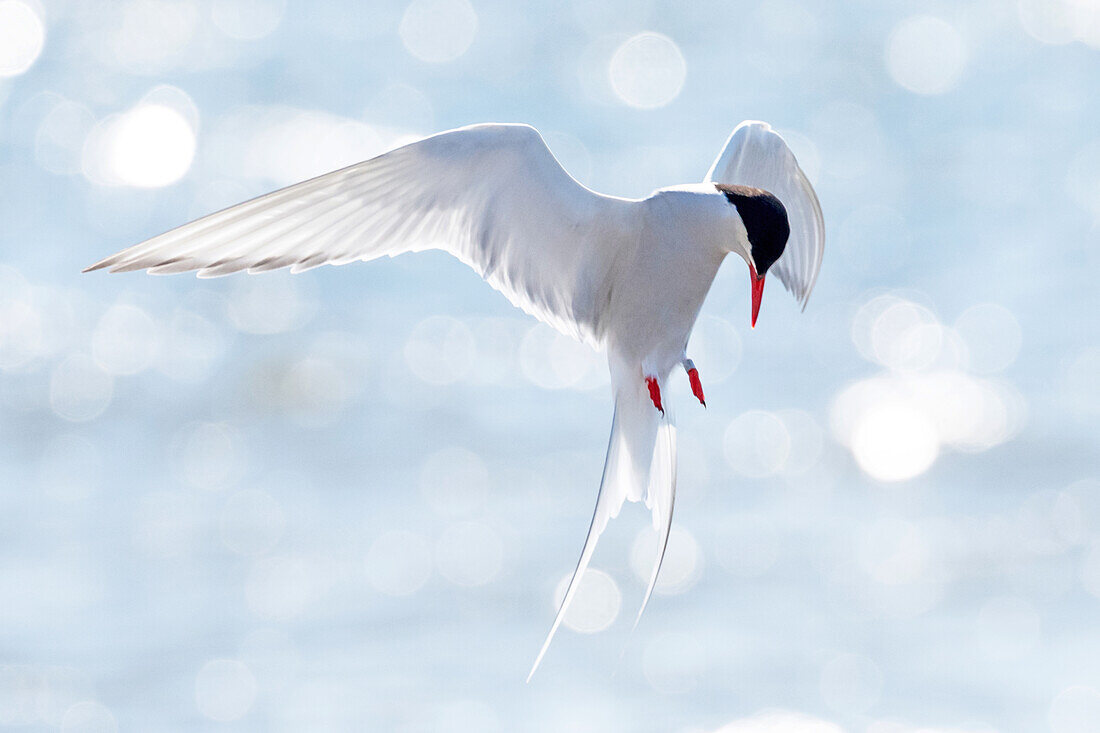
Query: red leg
655, 393
696, 385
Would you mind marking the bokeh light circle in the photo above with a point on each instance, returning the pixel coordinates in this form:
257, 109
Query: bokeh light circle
906, 337
925, 54
647, 71
22, 35
155, 146
440, 350
595, 605
807, 441
79, 389
552, 360
59, 139
149, 146
438, 31
894, 441
1053, 22
125, 340
682, 565
281, 587
209, 455
756, 444
89, 716
225, 689
269, 304
1075, 710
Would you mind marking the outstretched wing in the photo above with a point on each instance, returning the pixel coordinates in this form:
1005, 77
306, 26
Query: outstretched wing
492, 195
755, 155
640, 466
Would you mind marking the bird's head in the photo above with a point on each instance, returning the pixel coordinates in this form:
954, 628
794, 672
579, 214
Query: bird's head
766, 231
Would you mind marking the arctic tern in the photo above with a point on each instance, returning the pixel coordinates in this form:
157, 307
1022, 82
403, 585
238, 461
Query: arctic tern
626, 276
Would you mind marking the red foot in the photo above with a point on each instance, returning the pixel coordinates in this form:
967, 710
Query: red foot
696, 386
654, 393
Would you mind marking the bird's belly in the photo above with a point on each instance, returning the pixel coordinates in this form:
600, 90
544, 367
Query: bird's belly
653, 332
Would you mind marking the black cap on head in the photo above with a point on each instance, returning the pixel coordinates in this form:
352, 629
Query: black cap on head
765, 220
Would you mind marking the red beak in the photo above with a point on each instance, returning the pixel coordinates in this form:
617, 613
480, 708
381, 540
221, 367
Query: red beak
757, 292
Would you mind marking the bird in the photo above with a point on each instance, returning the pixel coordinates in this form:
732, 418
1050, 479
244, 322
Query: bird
625, 276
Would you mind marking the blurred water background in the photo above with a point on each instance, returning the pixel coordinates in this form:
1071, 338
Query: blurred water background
344, 500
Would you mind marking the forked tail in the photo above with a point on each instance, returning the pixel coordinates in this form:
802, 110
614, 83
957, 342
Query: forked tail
640, 466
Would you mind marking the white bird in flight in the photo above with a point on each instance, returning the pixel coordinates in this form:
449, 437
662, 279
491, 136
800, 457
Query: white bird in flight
626, 276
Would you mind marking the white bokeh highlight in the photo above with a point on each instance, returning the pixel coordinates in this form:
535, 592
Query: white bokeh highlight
59, 139
682, 565
22, 35
647, 71
926, 55
440, 350
1075, 710
595, 605
89, 716
151, 145
897, 423
552, 360
438, 31
894, 441
756, 444
79, 389
1059, 22
125, 341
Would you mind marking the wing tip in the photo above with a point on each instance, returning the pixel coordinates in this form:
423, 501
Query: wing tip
97, 266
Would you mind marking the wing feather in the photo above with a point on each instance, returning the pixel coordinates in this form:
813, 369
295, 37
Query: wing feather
493, 195
756, 155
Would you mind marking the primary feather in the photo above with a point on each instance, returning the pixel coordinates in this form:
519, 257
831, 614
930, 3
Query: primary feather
492, 195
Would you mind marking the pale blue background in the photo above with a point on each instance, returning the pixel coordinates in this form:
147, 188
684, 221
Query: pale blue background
222, 502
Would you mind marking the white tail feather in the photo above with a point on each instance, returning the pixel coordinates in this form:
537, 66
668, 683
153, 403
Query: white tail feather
639, 465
